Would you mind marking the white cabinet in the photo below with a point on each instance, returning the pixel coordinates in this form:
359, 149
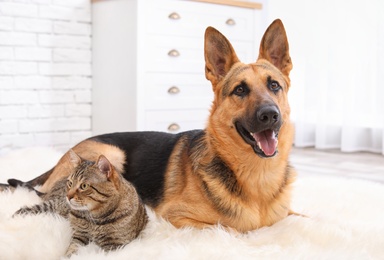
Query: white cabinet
148, 61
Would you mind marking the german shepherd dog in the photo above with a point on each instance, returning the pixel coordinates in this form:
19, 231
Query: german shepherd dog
235, 172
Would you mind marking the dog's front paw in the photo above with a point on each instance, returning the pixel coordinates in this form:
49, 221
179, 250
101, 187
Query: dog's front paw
296, 214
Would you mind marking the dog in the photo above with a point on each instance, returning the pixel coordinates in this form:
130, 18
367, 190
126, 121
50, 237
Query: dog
235, 172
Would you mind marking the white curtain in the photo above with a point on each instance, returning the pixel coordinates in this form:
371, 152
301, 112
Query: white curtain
337, 50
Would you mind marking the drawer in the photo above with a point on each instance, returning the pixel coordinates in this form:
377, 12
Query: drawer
174, 54
181, 91
187, 18
175, 121
182, 54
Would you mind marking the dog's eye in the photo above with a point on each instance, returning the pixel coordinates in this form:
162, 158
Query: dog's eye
241, 90
273, 85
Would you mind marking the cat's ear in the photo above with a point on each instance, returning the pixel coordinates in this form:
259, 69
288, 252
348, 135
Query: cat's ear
104, 166
74, 158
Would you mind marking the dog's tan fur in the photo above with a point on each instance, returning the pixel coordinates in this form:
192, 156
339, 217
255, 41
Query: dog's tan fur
220, 179
265, 183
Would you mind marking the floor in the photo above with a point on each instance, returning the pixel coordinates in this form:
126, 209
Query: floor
368, 166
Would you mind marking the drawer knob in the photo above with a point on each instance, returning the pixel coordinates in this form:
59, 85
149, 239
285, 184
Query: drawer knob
173, 90
173, 127
174, 16
174, 53
230, 22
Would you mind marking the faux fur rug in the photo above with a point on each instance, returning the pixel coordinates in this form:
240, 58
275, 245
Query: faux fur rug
346, 221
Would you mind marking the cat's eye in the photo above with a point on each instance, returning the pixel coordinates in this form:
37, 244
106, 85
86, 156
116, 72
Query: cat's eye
69, 183
84, 186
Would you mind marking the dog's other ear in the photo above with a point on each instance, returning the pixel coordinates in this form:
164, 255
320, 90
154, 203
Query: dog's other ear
219, 55
274, 47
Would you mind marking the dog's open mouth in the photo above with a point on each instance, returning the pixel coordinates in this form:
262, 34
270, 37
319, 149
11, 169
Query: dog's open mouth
263, 142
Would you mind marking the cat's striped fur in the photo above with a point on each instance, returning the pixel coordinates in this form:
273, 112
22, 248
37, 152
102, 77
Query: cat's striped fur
100, 204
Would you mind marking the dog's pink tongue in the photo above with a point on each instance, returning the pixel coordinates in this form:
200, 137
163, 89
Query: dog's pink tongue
267, 141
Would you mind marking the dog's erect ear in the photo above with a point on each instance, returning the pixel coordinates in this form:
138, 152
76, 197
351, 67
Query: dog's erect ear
274, 47
219, 55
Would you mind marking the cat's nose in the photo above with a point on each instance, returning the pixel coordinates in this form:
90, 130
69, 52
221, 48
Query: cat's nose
70, 195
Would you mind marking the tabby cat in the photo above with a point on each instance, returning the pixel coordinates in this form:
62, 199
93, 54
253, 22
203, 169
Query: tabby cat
100, 204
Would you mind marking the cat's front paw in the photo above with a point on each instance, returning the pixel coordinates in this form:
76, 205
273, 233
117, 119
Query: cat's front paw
72, 249
6, 187
22, 211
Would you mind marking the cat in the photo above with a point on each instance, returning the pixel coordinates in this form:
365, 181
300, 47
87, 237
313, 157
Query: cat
101, 205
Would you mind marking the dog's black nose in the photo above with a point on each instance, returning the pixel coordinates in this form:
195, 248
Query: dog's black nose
268, 115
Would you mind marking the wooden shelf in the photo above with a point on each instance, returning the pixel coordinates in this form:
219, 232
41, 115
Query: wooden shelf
243, 4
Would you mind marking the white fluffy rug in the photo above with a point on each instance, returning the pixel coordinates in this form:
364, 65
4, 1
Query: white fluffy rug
346, 221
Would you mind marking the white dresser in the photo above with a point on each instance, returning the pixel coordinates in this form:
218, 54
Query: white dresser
148, 61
